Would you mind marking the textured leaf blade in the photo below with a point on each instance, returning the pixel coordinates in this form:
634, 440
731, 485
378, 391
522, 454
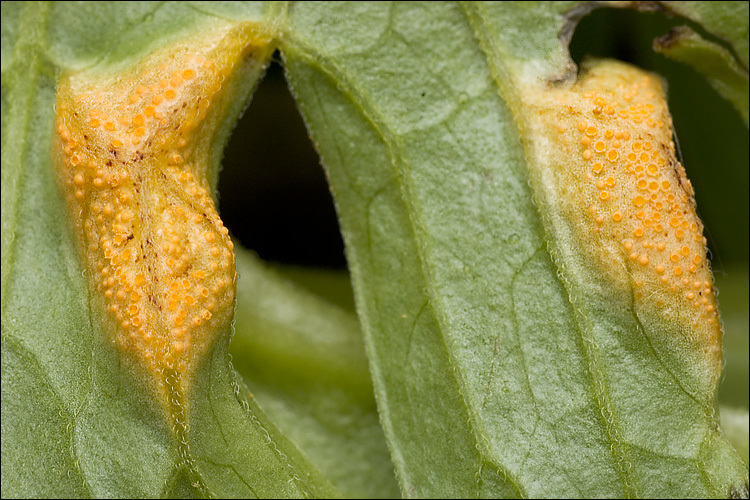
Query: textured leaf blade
479, 373
413, 357
439, 184
678, 347
107, 435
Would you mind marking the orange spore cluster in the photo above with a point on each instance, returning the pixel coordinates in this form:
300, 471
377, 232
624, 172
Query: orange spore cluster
130, 161
630, 192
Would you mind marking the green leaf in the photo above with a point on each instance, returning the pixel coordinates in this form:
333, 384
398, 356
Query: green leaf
491, 379
91, 427
725, 20
712, 60
725, 68
304, 361
503, 363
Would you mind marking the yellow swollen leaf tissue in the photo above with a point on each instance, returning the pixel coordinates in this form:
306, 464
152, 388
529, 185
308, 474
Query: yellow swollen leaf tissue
132, 153
609, 168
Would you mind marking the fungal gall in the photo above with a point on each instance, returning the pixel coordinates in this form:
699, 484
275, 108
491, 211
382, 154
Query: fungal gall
641, 236
132, 158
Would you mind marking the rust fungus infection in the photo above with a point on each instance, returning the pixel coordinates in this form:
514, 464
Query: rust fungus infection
626, 196
132, 157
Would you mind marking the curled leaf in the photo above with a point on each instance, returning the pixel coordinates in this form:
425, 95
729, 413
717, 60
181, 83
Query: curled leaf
132, 155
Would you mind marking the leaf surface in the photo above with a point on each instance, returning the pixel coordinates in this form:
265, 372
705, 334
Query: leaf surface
477, 344
93, 428
497, 372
